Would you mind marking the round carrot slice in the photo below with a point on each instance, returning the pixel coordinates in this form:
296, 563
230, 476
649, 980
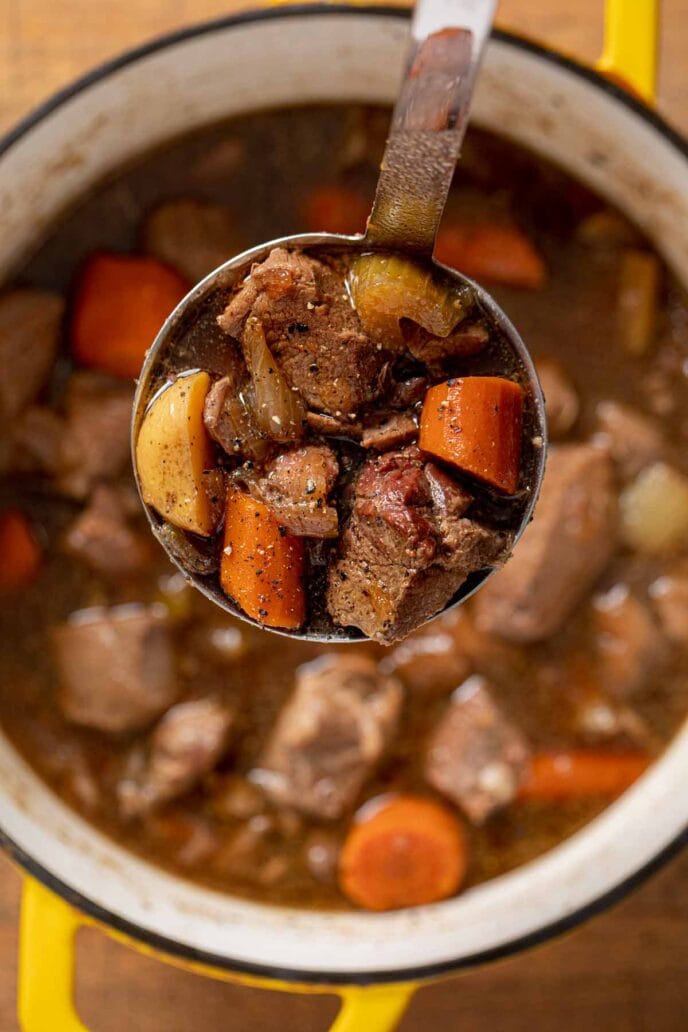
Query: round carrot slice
403, 851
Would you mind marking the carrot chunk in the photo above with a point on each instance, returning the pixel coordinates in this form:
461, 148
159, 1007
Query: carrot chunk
262, 565
20, 553
335, 209
121, 302
476, 424
501, 254
558, 776
407, 852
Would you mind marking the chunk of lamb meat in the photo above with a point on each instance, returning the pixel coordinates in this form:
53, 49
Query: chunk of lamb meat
32, 444
562, 406
334, 426
30, 322
408, 393
296, 485
670, 597
312, 330
95, 444
427, 661
630, 643
192, 236
102, 537
229, 420
407, 547
115, 666
633, 439
469, 338
330, 735
562, 552
185, 745
391, 432
475, 756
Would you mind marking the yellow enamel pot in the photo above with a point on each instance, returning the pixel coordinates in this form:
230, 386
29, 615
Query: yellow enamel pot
589, 124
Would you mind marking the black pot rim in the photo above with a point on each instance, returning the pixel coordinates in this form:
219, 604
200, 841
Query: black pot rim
181, 951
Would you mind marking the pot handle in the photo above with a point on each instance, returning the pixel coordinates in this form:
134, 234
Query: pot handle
631, 43
46, 962
375, 1009
48, 926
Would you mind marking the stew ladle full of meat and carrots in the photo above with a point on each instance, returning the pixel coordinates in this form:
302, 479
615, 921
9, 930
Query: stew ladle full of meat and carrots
337, 437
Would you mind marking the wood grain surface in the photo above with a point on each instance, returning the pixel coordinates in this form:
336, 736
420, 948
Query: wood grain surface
626, 970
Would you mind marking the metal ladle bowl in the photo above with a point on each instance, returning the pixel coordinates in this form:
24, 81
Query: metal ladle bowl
427, 128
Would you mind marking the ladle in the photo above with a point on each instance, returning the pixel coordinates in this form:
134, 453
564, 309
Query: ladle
427, 128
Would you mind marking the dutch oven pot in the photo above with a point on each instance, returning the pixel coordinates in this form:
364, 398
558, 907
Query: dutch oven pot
576, 117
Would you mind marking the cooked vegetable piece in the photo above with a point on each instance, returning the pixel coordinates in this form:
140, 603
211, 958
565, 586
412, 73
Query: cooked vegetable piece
20, 553
408, 851
174, 457
278, 409
654, 510
262, 565
576, 774
606, 228
637, 301
499, 253
388, 288
120, 304
476, 424
335, 209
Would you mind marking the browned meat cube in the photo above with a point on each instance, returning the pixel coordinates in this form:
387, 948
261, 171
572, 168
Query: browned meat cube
428, 661
561, 554
95, 445
296, 486
561, 400
475, 756
670, 597
312, 330
229, 419
407, 548
192, 236
102, 538
115, 667
391, 432
30, 323
630, 644
469, 338
33, 442
633, 438
330, 735
184, 746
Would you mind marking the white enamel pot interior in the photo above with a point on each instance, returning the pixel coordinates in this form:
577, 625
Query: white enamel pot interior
288, 56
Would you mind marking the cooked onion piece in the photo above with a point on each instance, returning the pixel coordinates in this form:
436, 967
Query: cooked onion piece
387, 288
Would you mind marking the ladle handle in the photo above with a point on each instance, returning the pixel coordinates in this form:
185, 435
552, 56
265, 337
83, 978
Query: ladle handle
428, 122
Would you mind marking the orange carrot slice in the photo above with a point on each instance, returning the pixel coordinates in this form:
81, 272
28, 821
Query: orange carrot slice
408, 851
578, 773
121, 302
335, 209
476, 424
498, 253
262, 565
20, 553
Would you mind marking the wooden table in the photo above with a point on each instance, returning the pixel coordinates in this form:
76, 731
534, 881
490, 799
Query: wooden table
626, 970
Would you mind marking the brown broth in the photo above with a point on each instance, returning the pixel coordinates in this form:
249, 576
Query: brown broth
571, 319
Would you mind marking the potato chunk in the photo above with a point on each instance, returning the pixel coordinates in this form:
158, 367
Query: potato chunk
174, 457
654, 511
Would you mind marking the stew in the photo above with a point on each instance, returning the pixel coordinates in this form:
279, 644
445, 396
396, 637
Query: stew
359, 458
350, 775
